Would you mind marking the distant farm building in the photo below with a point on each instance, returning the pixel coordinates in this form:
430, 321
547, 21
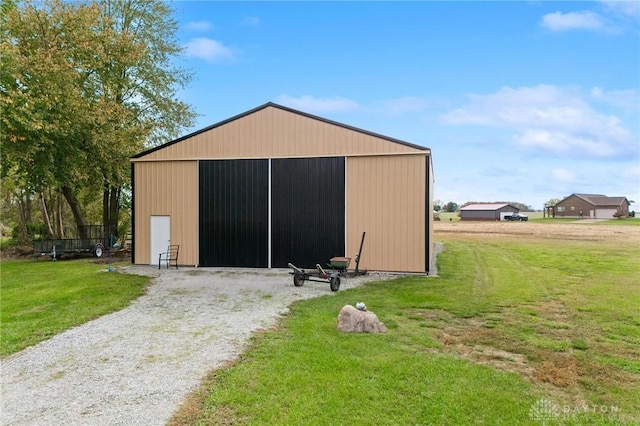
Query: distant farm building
487, 211
593, 206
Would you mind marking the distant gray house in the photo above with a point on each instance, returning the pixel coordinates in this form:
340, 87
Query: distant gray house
490, 211
593, 206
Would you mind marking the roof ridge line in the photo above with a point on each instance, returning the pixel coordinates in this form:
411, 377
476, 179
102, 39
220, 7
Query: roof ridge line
284, 108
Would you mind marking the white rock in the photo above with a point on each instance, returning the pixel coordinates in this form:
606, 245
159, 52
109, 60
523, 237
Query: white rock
352, 320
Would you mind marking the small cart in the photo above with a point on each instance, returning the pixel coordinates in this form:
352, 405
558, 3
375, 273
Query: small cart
318, 275
332, 276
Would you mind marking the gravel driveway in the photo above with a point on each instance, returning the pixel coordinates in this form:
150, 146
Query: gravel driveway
136, 365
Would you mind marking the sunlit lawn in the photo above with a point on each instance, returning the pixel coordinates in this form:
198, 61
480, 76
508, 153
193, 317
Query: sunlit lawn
39, 299
508, 329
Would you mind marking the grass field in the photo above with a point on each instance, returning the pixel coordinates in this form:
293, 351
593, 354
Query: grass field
39, 299
515, 330
537, 217
456, 215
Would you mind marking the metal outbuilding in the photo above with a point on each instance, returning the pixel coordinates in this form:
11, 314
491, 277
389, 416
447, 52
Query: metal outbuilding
275, 185
487, 211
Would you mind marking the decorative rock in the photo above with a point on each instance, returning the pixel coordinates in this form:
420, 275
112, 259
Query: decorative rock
352, 320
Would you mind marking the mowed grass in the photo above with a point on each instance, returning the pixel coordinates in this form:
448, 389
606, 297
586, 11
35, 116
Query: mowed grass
39, 299
508, 326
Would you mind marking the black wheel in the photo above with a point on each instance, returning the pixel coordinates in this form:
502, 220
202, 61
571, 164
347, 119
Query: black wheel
334, 283
97, 250
298, 280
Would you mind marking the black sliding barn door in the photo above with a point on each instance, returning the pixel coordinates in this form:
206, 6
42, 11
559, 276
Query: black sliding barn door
307, 211
234, 213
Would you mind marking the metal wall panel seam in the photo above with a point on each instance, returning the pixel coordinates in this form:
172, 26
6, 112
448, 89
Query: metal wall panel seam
133, 214
197, 213
269, 214
428, 217
346, 207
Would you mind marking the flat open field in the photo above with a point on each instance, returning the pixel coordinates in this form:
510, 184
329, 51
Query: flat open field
579, 230
573, 331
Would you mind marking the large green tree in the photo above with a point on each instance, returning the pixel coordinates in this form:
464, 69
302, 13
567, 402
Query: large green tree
84, 86
45, 120
140, 79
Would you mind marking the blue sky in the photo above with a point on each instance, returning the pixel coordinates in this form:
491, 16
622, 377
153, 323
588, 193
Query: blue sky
518, 101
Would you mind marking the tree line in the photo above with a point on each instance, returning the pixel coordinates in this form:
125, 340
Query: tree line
84, 86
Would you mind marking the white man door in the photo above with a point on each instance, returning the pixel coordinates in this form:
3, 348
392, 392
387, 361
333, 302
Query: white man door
160, 227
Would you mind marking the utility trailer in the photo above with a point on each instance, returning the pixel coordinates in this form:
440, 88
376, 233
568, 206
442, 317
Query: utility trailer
96, 241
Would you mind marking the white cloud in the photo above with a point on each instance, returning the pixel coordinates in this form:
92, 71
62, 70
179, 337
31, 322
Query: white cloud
199, 26
628, 99
628, 8
564, 144
319, 105
250, 21
549, 119
614, 17
584, 20
209, 50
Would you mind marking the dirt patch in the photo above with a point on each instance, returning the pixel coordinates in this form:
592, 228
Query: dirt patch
559, 370
13, 253
486, 355
560, 231
26, 253
533, 341
496, 340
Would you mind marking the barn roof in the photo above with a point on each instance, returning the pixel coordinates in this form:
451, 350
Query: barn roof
287, 109
486, 207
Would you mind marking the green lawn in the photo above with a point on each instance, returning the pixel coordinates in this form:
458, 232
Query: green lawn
39, 299
507, 326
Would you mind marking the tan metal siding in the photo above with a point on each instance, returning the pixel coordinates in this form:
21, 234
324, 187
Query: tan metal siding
272, 133
167, 189
386, 198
